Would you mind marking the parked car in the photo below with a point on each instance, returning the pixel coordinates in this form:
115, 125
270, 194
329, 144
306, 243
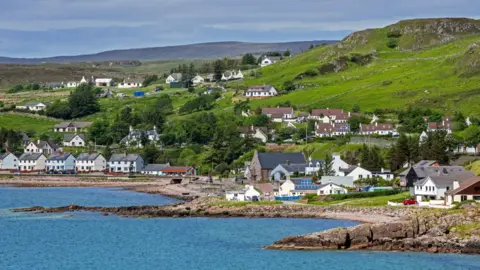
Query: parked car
410, 202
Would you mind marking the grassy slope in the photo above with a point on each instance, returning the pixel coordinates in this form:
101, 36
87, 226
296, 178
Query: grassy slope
429, 78
26, 123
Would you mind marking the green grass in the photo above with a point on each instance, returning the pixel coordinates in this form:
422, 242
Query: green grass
236, 204
26, 123
373, 201
321, 149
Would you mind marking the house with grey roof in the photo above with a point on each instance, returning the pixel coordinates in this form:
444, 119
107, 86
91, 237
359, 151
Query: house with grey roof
134, 137
60, 162
8, 161
434, 186
74, 140
173, 78
131, 83
34, 106
261, 91
260, 133
155, 169
263, 163
419, 172
91, 162
125, 163
32, 162
269, 60
46, 147
72, 127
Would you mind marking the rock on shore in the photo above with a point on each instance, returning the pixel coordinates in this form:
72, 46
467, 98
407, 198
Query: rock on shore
430, 233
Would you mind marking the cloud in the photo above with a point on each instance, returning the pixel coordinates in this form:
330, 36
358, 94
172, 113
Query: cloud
167, 22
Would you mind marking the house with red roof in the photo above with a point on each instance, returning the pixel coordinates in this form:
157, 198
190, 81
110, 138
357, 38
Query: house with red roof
464, 191
279, 114
330, 115
378, 129
333, 129
179, 171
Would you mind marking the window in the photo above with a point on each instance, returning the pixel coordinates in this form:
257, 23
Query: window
476, 198
463, 198
360, 176
388, 176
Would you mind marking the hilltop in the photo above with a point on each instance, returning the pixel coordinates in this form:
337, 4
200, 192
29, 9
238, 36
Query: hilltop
191, 51
432, 63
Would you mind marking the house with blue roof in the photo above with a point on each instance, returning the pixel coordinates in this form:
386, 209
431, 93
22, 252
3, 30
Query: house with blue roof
304, 186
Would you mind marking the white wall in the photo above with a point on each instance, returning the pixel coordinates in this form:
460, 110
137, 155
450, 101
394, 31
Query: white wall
338, 163
76, 141
360, 173
286, 188
331, 189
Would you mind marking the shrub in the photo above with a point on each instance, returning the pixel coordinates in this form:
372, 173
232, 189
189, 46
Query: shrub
392, 44
338, 197
394, 34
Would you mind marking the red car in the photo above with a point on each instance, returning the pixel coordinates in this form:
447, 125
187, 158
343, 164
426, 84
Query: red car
409, 202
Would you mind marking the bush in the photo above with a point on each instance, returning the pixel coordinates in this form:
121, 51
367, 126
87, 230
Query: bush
392, 44
394, 34
361, 59
339, 197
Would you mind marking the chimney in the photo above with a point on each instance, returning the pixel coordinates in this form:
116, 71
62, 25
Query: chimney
359, 164
155, 128
131, 128
38, 141
349, 114
382, 170
376, 124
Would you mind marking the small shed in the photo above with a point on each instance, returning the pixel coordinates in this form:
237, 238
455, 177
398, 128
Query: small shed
138, 93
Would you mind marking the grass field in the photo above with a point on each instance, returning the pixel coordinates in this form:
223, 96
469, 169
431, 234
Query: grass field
26, 123
373, 201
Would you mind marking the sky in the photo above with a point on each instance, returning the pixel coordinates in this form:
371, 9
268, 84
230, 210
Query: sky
41, 28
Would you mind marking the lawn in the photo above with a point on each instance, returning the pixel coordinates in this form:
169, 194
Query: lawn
373, 201
26, 123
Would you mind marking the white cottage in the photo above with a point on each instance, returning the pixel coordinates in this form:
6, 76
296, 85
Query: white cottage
75, 140
32, 162
60, 162
197, 80
331, 188
434, 187
131, 83
91, 162
124, 163
8, 161
249, 193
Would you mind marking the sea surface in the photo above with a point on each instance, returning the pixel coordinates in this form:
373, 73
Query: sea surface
92, 241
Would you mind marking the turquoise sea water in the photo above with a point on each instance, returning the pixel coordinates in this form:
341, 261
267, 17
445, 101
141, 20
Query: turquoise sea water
92, 241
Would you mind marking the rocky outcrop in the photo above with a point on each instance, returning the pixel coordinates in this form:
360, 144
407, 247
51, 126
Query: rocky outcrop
419, 233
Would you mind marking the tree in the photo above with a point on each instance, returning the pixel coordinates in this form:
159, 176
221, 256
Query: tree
59, 109
191, 89
100, 131
126, 115
249, 59
327, 167
144, 140
107, 153
311, 125
356, 108
222, 169
287, 53
436, 147
288, 86
242, 106
150, 153
83, 101
149, 79
218, 69
261, 120
471, 136
118, 130
355, 120
460, 121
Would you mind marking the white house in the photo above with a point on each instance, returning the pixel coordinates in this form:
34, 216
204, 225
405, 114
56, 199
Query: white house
87, 80
261, 91
72, 84
197, 80
8, 161
378, 129
249, 193
45, 147
131, 83
104, 82
73, 127
91, 162
338, 164
279, 114
329, 116
155, 169
331, 188
34, 106
385, 174
268, 60
60, 162
298, 187
134, 137
232, 75
124, 163
346, 181
174, 77
333, 129
32, 162
467, 190
260, 133
435, 186
356, 172
76, 140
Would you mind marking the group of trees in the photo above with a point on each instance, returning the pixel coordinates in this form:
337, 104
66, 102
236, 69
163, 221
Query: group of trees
81, 102
201, 103
10, 140
20, 87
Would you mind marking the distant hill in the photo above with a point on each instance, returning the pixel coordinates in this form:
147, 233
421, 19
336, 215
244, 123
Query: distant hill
430, 63
192, 51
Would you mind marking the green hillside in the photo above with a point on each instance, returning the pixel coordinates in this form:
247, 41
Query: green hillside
430, 63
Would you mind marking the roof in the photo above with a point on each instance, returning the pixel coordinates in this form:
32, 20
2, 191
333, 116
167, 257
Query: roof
252, 130
69, 137
272, 159
103, 80
324, 128
277, 112
128, 80
30, 156
265, 187
31, 104
327, 112
423, 172
155, 167
59, 156
348, 170
259, 88
176, 169
3, 156
443, 180
376, 127
425, 163
124, 157
50, 143
294, 167
440, 125
304, 184
87, 156
465, 185
176, 76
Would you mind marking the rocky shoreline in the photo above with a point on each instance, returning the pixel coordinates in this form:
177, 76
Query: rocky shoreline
434, 233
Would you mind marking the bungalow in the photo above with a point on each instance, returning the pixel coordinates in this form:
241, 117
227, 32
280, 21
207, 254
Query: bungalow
173, 78
91, 162
435, 186
329, 130
268, 60
179, 171
34, 106
131, 83
331, 188
261, 91
75, 140
467, 190
45, 147
210, 78
32, 162
155, 169
346, 181
298, 187
72, 84
125, 163
385, 174
72, 127
263, 163
197, 80
279, 114
106, 82
8, 161
260, 133
328, 116
134, 138
378, 129
467, 150
356, 172
60, 162
249, 193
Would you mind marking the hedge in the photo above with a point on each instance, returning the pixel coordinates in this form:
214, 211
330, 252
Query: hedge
338, 197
